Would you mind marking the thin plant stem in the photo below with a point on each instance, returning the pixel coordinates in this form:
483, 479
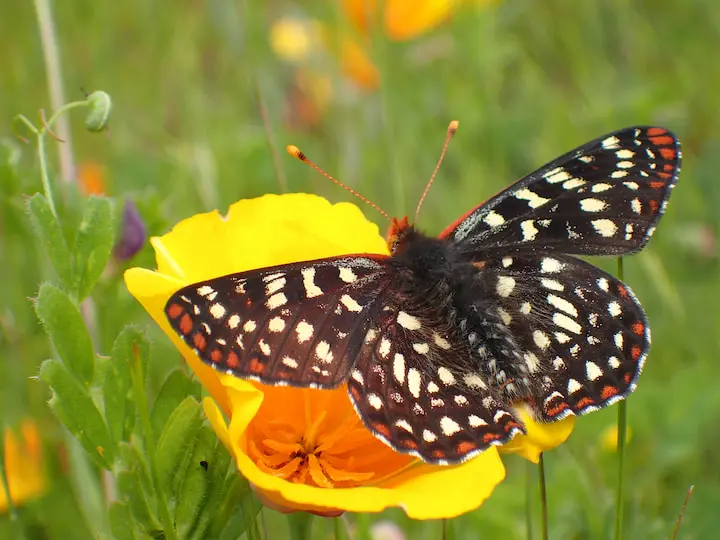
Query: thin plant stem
682, 513
621, 440
270, 136
142, 407
51, 56
543, 497
529, 469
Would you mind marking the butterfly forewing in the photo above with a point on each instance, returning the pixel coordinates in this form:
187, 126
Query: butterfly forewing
414, 388
581, 333
603, 198
299, 324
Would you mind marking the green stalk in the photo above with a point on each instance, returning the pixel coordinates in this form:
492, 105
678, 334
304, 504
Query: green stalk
621, 440
529, 469
543, 497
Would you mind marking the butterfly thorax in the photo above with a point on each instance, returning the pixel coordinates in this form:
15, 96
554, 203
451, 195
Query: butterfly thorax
455, 289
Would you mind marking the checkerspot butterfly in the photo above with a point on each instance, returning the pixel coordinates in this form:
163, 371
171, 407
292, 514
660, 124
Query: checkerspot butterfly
438, 341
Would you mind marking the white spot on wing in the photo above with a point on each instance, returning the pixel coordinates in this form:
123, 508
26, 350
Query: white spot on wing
505, 286
205, 290
421, 348
592, 205
574, 386
347, 274
311, 290
304, 331
593, 371
636, 205
322, 351
566, 323
217, 311
441, 341
604, 227
473, 380
276, 324
533, 199
249, 326
494, 219
610, 143
449, 426
446, 376
374, 401
541, 339
548, 265
350, 303
290, 362
552, 284
529, 231
276, 300
614, 308
408, 321
413, 382
275, 285
399, 368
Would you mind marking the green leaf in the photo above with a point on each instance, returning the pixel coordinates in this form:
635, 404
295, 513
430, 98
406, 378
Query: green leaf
238, 511
67, 331
93, 244
47, 229
218, 484
175, 446
177, 387
73, 405
195, 483
135, 488
121, 524
131, 345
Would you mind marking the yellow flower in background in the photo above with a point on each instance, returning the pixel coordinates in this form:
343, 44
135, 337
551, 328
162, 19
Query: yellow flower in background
609, 438
302, 449
299, 41
23, 464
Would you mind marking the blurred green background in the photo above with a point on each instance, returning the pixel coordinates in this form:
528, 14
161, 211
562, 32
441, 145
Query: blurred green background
527, 80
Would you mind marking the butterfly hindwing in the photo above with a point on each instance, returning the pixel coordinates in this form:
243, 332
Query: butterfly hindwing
299, 324
413, 386
603, 198
581, 333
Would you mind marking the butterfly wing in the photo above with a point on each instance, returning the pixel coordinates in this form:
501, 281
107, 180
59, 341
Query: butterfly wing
298, 324
415, 388
582, 335
603, 198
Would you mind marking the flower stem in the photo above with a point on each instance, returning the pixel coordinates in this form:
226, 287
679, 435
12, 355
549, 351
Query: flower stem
543, 497
300, 524
621, 439
682, 513
529, 469
53, 71
149, 440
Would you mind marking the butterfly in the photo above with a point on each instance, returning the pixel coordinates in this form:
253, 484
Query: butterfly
438, 342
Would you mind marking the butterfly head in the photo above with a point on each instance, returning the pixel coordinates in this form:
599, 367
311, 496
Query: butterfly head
398, 232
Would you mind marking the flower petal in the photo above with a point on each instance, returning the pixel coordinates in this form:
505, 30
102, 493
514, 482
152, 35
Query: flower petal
539, 437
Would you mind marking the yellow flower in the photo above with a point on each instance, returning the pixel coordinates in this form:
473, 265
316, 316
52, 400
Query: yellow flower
302, 449
23, 465
609, 438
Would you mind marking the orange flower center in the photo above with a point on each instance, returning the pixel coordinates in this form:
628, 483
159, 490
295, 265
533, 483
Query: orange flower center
321, 447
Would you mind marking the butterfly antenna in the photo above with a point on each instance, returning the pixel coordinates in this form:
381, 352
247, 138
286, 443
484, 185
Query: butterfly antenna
452, 128
295, 152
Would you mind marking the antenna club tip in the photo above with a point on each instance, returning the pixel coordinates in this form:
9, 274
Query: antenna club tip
295, 152
452, 128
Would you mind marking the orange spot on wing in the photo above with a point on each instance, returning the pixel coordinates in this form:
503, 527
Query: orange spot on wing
355, 393
256, 366
175, 310
440, 454
186, 324
657, 185
465, 447
557, 409
584, 402
635, 352
232, 360
489, 437
382, 429
216, 356
654, 205
608, 392
409, 443
668, 167
627, 378
479, 265
638, 328
622, 291
662, 140
653, 131
668, 153
666, 176
199, 341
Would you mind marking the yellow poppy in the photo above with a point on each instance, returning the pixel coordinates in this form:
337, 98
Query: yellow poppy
302, 449
23, 465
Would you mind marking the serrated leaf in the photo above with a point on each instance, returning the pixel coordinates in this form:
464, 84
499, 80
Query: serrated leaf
130, 346
93, 244
177, 387
73, 405
47, 229
193, 489
67, 331
175, 446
